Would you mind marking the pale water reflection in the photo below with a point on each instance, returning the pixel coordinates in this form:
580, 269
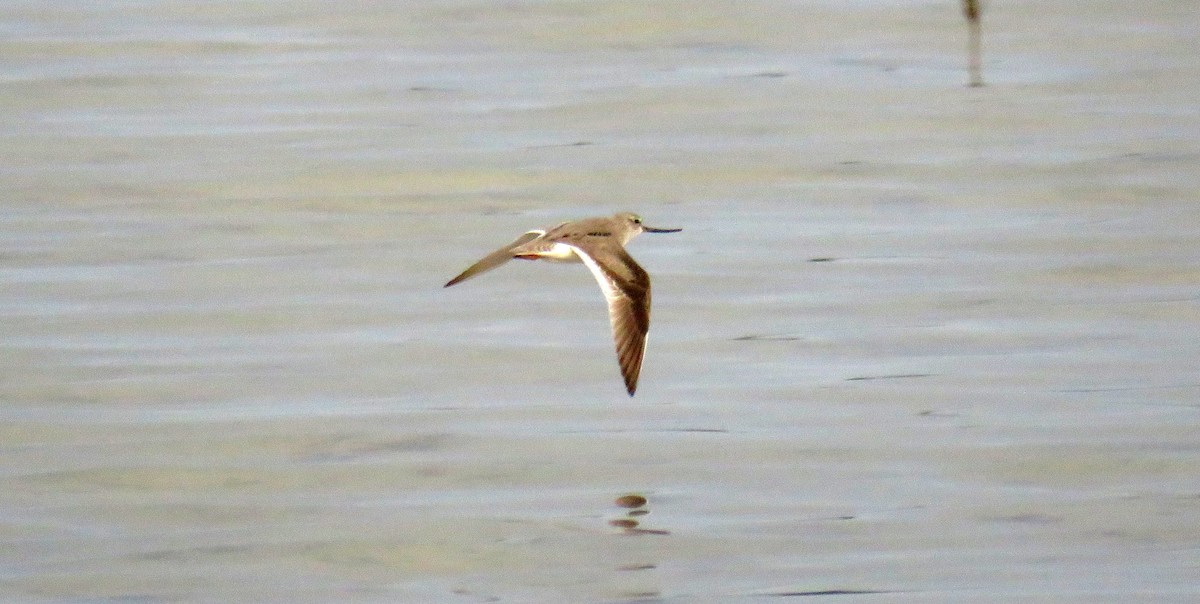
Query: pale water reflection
917, 341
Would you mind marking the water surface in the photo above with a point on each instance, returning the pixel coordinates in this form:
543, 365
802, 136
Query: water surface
917, 341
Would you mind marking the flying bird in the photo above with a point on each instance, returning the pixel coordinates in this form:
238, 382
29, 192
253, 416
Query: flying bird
599, 243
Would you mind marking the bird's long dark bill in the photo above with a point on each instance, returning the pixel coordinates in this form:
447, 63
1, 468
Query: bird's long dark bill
654, 230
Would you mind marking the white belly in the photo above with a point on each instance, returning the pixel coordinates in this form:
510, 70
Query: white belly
560, 253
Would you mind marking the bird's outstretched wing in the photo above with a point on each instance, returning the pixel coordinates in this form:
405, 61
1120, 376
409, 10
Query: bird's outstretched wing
495, 258
626, 287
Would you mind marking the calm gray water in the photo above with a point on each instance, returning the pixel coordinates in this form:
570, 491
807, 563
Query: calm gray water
917, 342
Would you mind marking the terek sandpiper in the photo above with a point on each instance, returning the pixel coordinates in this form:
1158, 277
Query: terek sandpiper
600, 244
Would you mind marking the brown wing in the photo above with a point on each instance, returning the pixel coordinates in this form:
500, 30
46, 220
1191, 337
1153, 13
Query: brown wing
495, 258
626, 287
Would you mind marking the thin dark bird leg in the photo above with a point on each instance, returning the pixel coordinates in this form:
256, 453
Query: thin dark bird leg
972, 10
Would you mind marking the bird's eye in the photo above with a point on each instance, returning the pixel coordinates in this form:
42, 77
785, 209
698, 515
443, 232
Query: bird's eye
637, 220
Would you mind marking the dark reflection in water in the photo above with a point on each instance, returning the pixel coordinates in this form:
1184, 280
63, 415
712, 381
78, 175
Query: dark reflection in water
631, 501
645, 586
636, 506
